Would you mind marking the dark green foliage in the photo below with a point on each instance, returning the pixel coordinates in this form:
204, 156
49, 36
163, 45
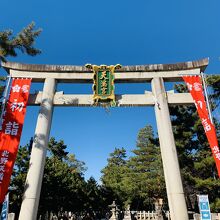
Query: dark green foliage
62, 187
63, 183
76, 165
93, 194
114, 174
213, 82
57, 149
23, 41
146, 168
138, 180
9, 45
18, 178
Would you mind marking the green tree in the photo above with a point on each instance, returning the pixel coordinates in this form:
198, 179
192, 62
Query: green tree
63, 182
93, 195
19, 177
10, 45
138, 180
23, 42
57, 149
146, 173
213, 82
75, 164
62, 187
114, 174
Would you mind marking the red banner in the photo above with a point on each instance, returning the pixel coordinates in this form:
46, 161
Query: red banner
195, 87
10, 134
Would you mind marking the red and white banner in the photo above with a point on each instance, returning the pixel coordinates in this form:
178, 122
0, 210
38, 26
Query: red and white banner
195, 87
13, 119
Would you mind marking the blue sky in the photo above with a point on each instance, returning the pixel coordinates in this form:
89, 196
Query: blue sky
108, 32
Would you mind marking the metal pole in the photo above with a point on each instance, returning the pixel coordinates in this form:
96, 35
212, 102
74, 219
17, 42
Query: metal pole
33, 183
174, 187
206, 97
5, 95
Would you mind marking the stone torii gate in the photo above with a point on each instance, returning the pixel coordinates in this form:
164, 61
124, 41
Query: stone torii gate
155, 74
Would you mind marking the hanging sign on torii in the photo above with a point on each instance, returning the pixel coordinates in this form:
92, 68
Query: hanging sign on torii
103, 84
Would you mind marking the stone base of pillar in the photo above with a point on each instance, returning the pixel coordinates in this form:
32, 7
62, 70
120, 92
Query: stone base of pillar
11, 216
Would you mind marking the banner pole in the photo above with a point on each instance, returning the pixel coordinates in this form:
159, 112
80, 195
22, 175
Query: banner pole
4, 99
206, 97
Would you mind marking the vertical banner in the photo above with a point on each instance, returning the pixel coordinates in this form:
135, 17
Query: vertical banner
204, 208
13, 119
195, 87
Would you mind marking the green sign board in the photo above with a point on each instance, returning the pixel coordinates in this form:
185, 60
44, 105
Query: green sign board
103, 84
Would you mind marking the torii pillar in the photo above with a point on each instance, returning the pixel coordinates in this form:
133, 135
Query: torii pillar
174, 187
38, 155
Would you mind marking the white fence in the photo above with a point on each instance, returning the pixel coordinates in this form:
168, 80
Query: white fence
146, 215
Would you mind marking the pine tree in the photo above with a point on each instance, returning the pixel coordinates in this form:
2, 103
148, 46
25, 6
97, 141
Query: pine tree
146, 173
23, 42
93, 200
57, 149
63, 182
114, 174
18, 178
139, 180
77, 166
213, 82
10, 45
